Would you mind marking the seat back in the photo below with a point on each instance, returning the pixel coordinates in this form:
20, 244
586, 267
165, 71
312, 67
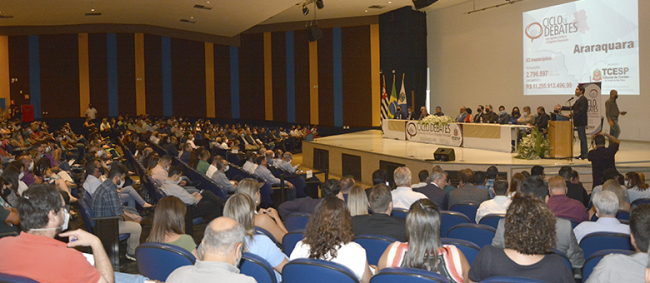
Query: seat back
296, 221
158, 260
595, 258
508, 279
374, 245
317, 271
594, 242
563, 256
640, 201
86, 214
407, 275
468, 208
262, 231
478, 234
258, 268
492, 220
399, 212
290, 240
150, 186
449, 219
623, 215
469, 249
15, 279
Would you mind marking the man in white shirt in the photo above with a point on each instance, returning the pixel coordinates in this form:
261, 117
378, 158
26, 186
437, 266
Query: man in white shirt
95, 170
250, 165
403, 195
628, 268
498, 205
286, 163
213, 167
91, 112
606, 204
159, 173
423, 176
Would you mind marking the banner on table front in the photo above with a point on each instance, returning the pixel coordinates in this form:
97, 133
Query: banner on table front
439, 134
594, 117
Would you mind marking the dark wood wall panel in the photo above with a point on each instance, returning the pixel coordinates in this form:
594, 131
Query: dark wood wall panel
153, 74
188, 78
301, 58
222, 81
279, 66
98, 74
19, 68
326, 79
251, 77
357, 85
126, 73
59, 60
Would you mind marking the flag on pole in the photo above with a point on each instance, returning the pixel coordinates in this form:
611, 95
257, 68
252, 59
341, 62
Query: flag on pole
384, 101
402, 97
392, 102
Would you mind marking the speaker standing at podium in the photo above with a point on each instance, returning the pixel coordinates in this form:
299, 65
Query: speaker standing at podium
579, 109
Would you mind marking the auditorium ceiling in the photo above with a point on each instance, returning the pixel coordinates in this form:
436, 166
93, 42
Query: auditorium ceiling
215, 17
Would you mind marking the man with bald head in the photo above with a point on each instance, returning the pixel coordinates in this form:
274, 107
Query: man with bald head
222, 248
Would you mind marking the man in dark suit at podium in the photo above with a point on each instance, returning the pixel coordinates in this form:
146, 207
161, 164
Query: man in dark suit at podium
579, 109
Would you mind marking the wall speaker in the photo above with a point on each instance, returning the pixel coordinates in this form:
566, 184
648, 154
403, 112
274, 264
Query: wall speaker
444, 154
314, 33
419, 4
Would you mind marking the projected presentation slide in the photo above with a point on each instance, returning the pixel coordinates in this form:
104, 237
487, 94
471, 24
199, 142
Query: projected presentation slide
580, 42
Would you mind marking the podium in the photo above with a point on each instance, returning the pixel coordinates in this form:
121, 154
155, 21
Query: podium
560, 134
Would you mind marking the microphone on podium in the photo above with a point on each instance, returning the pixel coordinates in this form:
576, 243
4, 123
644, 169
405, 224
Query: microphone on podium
571, 99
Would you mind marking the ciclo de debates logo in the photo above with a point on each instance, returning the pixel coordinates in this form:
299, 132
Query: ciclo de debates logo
551, 26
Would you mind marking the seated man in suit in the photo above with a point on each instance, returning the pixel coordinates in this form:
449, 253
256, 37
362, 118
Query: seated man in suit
380, 222
308, 204
467, 191
435, 189
628, 268
566, 240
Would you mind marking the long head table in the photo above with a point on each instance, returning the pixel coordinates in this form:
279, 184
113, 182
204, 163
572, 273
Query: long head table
480, 136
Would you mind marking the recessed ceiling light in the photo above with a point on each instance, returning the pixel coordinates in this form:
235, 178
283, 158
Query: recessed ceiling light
390, 2
191, 17
366, 11
92, 10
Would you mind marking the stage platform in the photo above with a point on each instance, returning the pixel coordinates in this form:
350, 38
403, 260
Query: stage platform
361, 153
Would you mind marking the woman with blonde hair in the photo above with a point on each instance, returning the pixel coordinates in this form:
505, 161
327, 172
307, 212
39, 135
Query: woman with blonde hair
169, 225
267, 219
357, 201
242, 208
